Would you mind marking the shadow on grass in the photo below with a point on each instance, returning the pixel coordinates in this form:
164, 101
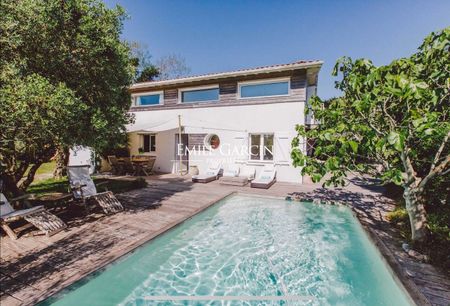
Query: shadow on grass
116, 185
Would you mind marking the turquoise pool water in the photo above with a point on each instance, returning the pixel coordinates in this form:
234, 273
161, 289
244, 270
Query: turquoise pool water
249, 246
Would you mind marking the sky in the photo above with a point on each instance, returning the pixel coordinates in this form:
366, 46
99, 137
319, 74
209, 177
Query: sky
219, 36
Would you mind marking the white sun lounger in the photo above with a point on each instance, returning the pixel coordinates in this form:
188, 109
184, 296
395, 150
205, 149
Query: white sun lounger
266, 178
211, 174
248, 172
231, 177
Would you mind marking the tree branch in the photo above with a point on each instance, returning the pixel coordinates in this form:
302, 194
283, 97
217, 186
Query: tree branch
439, 151
437, 170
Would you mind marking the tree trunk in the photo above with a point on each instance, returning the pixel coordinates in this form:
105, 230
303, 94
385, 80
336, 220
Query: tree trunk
417, 215
9, 186
30, 176
62, 159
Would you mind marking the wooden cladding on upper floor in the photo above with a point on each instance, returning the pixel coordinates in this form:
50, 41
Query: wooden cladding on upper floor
229, 92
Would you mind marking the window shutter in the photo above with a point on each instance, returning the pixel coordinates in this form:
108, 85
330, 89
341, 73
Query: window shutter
241, 143
283, 147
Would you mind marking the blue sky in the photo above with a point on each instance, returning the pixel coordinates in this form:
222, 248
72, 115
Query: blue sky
216, 36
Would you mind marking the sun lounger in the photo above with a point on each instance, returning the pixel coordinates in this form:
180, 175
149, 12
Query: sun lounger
231, 177
248, 172
266, 178
46, 222
83, 189
211, 174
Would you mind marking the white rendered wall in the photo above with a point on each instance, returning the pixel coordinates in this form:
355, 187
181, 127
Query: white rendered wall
232, 124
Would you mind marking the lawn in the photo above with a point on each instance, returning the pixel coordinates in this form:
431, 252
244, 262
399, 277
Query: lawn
46, 168
115, 185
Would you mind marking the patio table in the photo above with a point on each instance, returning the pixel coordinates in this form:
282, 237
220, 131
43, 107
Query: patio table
139, 167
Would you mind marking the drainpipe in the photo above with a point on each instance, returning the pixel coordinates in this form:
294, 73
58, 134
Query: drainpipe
179, 142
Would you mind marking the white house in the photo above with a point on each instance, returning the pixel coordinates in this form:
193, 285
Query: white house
244, 117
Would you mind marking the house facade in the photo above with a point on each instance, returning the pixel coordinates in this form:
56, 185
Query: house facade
244, 118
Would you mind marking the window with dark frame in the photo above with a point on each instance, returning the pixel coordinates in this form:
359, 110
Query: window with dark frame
261, 147
148, 143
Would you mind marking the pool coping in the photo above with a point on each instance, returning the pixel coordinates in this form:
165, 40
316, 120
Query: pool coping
395, 269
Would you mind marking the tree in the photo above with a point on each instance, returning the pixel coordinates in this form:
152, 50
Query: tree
391, 122
34, 114
73, 45
171, 67
145, 70
167, 67
149, 73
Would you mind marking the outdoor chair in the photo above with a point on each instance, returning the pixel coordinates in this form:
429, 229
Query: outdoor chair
116, 166
148, 166
248, 172
211, 174
231, 177
46, 222
84, 190
266, 178
128, 167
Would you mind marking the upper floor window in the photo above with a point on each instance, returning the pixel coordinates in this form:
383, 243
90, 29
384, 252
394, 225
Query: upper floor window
148, 99
264, 88
200, 95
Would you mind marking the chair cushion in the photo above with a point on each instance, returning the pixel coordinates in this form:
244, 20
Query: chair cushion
22, 212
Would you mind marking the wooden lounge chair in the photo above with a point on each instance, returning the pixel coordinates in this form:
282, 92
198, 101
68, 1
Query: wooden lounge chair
231, 177
211, 174
266, 178
46, 222
83, 190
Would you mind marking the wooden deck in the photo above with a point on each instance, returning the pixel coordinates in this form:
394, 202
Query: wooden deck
33, 268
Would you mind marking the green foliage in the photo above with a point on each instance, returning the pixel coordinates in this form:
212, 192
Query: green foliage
385, 112
149, 73
391, 122
438, 245
64, 78
398, 215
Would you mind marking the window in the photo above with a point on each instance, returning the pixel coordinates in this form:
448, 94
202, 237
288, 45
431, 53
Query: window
148, 99
212, 141
200, 95
264, 89
148, 143
261, 147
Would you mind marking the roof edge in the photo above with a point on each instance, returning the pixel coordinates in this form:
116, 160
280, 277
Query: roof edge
222, 75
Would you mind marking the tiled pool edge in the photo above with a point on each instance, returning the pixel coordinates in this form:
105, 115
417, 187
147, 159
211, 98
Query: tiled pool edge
71, 280
394, 267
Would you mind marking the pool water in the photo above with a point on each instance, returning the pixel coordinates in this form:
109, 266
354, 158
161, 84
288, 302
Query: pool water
249, 246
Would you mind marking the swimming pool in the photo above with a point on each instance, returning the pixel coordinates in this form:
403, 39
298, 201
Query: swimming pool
252, 247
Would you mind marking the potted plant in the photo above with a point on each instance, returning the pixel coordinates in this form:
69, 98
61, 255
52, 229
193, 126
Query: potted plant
141, 150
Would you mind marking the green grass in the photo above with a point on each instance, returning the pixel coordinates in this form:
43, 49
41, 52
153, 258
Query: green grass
46, 168
115, 185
